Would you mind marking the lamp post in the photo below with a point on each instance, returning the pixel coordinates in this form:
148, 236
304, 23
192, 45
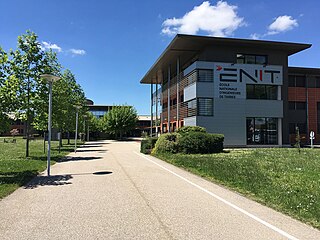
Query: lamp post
76, 135
84, 127
50, 79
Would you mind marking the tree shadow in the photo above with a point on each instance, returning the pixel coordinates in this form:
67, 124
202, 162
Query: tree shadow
90, 146
19, 178
71, 158
90, 150
56, 180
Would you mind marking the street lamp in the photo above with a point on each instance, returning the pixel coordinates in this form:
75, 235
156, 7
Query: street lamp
50, 79
75, 138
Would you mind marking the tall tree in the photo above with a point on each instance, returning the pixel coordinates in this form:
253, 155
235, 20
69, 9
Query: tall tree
26, 65
67, 94
120, 120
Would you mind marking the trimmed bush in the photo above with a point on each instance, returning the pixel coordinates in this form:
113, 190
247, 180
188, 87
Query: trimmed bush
148, 144
187, 129
167, 143
200, 142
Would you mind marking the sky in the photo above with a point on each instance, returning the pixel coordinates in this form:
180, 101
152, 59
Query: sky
110, 45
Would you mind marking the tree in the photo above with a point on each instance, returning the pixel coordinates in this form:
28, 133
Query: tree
26, 65
4, 123
66, 94
120, 120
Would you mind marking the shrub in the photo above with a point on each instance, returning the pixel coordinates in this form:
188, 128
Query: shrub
167, 142
200, 142
148, 144
188, 129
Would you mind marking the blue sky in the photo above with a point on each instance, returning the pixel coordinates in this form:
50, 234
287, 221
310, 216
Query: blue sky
110, 45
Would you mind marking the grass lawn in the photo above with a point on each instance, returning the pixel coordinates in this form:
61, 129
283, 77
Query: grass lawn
280, 178
16, 170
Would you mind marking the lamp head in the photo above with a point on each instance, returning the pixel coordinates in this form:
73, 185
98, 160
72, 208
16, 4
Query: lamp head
50, 78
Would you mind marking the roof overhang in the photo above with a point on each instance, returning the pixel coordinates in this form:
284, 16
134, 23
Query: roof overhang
186, 47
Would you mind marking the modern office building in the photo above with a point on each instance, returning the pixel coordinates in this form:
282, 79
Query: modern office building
241, 88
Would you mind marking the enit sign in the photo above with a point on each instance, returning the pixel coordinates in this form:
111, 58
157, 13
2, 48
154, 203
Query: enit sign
230, 79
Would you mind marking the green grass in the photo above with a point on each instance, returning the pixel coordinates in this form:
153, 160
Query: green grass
279, 178
16, 170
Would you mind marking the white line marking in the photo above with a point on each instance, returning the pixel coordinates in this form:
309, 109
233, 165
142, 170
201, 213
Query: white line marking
274, 228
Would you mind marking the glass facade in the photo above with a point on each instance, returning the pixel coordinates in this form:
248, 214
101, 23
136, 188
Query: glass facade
205, 107
262, 131
267, 92
252, 59
98, 114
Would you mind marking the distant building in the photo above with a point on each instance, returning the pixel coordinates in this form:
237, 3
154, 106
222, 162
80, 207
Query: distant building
143, 124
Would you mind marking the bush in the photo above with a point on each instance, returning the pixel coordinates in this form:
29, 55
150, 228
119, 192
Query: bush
148, 144
167, 143
200, 142
188, 129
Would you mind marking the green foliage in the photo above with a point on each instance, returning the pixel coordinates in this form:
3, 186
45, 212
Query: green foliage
148, 144
4, 122
120, 120
187, 129
25, 93
200, 142
278, 177
167, 143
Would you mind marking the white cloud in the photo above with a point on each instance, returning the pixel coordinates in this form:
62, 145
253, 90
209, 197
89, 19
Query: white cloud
47, 45
219, 20
255, 36
77, 51
282, 24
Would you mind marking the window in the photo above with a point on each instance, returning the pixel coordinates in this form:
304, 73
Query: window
252, 59
292, 81
317, 82
200, 107
192, 108
262, 130
302, 128
297, 105
267, 92
297, 81
205, 107
300, 81
205, 75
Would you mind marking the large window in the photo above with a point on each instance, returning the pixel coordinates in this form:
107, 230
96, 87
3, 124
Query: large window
297, 81
302, 128
200, 107
297, 105
205, 107
262, 131
252, 59
205, 75
269, 92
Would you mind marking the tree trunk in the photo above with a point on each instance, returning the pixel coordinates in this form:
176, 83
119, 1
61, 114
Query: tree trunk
68, 138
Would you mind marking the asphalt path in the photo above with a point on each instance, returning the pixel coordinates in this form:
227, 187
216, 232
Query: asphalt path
108, 190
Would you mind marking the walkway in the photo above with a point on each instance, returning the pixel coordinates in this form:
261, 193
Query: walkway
107, 190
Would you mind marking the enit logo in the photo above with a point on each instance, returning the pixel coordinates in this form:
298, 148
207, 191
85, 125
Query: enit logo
233, 74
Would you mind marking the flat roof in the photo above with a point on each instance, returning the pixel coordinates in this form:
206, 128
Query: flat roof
185, 47
304, 70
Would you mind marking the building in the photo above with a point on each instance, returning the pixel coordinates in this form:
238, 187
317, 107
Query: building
241, 88
143, 123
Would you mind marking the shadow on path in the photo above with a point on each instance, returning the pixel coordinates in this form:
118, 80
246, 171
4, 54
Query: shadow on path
56, 180
89, 150
70, 159
90, 146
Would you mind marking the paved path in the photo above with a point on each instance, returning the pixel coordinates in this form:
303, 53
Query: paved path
132, 196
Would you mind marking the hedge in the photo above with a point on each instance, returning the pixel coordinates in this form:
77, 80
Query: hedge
167, 142
188, 129
200, 142
148, 144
